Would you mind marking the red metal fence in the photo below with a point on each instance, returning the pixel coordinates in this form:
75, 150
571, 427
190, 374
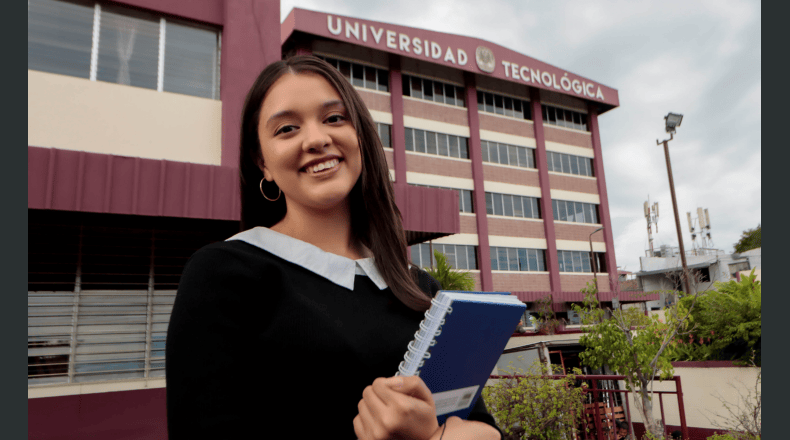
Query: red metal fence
605, 403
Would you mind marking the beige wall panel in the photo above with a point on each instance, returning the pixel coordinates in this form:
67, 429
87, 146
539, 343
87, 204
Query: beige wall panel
78, 114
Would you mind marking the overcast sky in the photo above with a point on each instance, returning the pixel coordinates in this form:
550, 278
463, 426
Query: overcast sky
701, 59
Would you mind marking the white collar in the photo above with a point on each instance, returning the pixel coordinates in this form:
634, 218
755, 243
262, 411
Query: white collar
335, 268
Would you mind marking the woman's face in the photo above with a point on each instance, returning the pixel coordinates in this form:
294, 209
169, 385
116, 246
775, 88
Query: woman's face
309, 146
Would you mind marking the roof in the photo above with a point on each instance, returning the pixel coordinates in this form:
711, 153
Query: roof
675, 268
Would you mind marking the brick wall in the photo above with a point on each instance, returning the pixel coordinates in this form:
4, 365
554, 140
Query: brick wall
579, 232
438, 165
390, 159
468, 225
520, 282
571, 183
515, 176
419, 108
375, 101
568, 137
512, 126
575, 283
515, 228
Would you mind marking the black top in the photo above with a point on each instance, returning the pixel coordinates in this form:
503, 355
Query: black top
257, 343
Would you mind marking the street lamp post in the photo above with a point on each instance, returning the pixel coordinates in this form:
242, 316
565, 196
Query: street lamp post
672, 121
592, 257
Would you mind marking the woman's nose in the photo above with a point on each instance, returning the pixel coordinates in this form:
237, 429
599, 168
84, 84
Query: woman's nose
316, 137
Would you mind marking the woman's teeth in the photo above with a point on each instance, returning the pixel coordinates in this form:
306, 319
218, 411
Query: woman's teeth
325, 165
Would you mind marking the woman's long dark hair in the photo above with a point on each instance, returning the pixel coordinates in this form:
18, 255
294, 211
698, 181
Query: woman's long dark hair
375, 219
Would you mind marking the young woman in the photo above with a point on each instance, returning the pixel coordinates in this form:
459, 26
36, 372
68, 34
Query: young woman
294, 327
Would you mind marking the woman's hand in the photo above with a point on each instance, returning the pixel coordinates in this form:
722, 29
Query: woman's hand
396, 408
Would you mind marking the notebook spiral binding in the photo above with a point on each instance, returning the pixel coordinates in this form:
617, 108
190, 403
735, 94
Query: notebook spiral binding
421, 336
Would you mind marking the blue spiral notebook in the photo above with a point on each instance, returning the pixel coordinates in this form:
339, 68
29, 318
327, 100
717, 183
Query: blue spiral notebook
458, 344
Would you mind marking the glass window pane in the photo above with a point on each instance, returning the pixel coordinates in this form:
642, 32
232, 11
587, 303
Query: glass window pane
590, 168
561, 260
507, 201
493, 152
370, 77
449, 252
535, 207
494, 259
571, 211
562, 211
416, 87
59, 38
357, 75
512, 256
459, 96
425, 254
443, 147
384, 134
584, 122
580, 212
484, 150
489, 203
419, 141
531, 157
550, 160
582, 165
454, 150
427, 89
461, 260
568, 257
594, 213
557, 162
503, 259
518, 111
541, 260
533, 259
566, 163
498, 210
431, 144
552, 117
438, 92
383, 79
545, 113
568, 118
588, 217
508, 106
525, 202
522, 157
406, 83
513, 154
449, 94
128, 49
463, 146
518, 210
480, 103
574, 165
577, 262
409, 139
468, 204
415, 254
471, 253
499, 105
489, 103
586, 262
555, 207
523, 263
345, 69
503, 154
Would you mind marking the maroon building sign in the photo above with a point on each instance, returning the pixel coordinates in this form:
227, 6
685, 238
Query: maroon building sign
465, 53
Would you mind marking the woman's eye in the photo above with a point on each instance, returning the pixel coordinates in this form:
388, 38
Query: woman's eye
285, 129
335, 118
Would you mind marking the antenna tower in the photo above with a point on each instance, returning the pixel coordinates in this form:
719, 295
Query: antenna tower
651, 215
703, 222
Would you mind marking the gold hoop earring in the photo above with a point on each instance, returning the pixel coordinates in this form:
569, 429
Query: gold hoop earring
279, 192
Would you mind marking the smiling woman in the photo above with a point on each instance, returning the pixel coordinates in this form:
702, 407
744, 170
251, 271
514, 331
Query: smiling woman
318, 281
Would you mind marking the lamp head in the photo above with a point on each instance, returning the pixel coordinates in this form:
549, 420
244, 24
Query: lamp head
672, 121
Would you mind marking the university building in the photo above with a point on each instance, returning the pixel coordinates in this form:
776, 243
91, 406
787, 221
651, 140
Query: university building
134, 109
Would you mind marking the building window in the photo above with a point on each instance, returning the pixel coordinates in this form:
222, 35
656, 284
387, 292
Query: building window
577, 212
123, 46
579, 261
567, 163
465, 199
518, 259
432, 90
384, 134
360, 75
505, 154
459, 256
441, 144
564, 118
503, 105
512, 205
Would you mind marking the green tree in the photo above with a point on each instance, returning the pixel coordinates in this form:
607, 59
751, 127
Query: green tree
727, 323
636, 346
450, 279
534, 406
750, 239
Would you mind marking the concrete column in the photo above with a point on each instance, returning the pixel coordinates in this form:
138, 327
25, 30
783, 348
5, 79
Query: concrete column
603, 208
398, 131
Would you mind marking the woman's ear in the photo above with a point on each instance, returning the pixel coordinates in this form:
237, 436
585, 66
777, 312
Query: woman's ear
264, 170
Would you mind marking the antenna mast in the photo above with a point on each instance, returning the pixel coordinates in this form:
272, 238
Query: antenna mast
651, 215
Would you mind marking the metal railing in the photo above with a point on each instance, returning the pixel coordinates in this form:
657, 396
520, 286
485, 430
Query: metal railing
603, 403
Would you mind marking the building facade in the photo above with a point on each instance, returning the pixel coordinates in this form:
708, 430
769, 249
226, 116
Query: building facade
133, 115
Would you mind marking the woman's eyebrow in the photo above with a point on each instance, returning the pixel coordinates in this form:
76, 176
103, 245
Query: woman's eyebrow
291, 113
